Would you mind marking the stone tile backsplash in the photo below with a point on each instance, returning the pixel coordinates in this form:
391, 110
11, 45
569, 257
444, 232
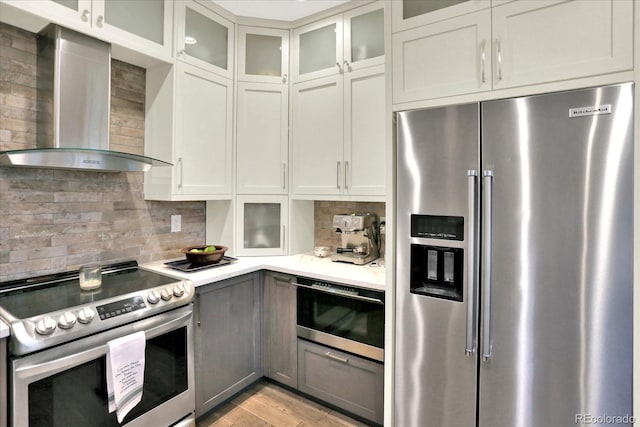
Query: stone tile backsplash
57, 220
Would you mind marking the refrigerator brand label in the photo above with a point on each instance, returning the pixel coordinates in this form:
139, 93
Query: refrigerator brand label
590, 111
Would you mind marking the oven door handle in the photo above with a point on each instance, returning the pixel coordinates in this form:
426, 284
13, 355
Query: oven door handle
78, 352
336, 292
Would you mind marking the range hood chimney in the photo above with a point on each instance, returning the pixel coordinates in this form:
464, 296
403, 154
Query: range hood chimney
73, 113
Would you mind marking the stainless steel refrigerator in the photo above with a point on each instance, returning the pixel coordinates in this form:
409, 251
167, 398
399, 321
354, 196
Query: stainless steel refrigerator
515, 262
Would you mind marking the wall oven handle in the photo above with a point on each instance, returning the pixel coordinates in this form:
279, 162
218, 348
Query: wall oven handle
470, 347
339, 293
486, 265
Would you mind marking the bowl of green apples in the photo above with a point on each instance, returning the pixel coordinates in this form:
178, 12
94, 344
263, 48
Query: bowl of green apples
204, 254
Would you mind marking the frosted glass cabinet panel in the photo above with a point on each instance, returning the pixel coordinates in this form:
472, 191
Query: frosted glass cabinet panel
71, 4
318, 49
363, 37
406, 14
411, 8
144, 18
263, 55
204, 38
261, 225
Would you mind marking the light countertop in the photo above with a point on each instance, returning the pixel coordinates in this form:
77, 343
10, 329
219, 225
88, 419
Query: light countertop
365, 276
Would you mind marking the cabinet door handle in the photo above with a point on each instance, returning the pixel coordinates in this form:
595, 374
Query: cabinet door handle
338, 174
85, 15
283, 238
100, 21
346, 175
180, 174
340, 70
483, 57
334, 357
284, 176
197, 303
347, 66
499, 58
284, 78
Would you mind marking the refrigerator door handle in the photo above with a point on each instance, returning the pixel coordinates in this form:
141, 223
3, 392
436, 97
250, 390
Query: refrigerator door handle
486, 266
472, 281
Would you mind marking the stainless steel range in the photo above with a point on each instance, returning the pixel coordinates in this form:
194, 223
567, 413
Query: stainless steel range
59, 340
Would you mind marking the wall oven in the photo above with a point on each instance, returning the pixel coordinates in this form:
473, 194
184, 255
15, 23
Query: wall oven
57, 377
347, 318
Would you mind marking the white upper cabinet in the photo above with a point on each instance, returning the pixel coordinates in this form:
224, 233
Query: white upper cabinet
507, 45
544, 41
364, 131
263, 55
317, 132
189, 123
447, 58
143, 26
339, 44
204, 38
262, 138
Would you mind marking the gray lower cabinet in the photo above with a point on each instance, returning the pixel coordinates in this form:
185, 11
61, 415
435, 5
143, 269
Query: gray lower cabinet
347, 381
280, 353
227, 345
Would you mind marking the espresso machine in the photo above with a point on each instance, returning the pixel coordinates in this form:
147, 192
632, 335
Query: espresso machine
360, 240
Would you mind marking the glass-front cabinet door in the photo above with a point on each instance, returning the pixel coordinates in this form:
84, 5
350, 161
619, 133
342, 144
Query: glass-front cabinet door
204, 38
263, 55
364, 37
318, 50
142, 25
261, 225
407, 14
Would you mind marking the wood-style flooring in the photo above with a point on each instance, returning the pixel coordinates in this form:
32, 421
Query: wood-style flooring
266, 404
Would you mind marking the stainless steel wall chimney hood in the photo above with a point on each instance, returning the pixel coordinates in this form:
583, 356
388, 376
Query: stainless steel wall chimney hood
73, 113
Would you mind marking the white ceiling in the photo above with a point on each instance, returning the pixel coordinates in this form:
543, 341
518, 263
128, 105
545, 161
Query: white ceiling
284, 10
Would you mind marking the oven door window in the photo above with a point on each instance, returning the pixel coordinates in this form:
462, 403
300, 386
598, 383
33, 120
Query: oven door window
78, 396
348, 318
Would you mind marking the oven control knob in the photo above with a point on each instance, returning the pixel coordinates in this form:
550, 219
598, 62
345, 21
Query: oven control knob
178, 291
46, 326
86, 315
67, 320
166, 294
153, 297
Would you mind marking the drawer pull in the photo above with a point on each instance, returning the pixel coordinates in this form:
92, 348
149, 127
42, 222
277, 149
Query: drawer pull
334, 357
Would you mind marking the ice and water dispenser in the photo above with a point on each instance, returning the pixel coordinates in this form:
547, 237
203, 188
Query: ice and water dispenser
437, 270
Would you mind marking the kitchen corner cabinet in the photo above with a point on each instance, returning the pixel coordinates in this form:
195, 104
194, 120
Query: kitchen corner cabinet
339, 44
143, 26
350, 382
280, 350
200, 104
338, 134
204, 38
263, 55
262, 138
510, 44
227, 339
261, 225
